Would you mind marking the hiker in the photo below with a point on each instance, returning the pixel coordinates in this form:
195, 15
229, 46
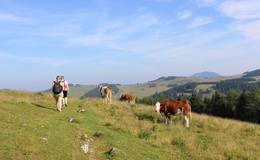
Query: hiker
57, 90
65, 91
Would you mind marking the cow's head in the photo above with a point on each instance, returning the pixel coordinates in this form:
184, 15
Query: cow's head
122, 97
100, 86
157, 107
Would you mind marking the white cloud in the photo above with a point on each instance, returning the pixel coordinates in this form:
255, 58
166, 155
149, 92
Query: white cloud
200, 21
148, 36
114, 32
241, 9
250, 30
246, 15
184, 14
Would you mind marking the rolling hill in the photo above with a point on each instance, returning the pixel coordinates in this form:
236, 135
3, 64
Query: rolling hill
205, 83
32, 129
206, 74
141, 89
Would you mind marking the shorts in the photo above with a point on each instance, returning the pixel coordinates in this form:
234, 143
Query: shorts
58, 95
65, 94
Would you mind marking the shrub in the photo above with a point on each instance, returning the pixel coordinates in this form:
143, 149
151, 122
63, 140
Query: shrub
155, 118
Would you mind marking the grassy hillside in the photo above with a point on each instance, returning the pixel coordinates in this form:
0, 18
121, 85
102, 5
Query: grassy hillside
32, 129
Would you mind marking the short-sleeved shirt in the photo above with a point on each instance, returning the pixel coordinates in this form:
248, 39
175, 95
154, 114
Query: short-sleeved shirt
65, 85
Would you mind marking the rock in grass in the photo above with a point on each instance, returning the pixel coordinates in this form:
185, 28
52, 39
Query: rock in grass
44, 139
85, 148
98, 134
73, 120
81, 110
84, 137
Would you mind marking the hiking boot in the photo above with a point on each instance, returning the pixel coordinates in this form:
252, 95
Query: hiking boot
58, 110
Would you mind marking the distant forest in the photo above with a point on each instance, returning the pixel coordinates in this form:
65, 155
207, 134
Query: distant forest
239, 85
243, 106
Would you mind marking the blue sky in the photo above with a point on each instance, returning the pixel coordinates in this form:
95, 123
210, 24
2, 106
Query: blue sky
124, 41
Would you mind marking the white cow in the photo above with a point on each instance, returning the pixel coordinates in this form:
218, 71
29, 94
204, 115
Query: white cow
106, 93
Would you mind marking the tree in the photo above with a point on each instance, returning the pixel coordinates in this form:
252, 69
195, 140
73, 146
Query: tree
217, 104
231, 103
253, 106
241, 108
197, 103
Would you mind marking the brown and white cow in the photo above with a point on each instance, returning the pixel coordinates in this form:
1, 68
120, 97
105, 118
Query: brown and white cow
174, 107
127, 97
106, 93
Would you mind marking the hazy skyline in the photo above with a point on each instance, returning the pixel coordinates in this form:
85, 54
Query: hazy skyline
126, 41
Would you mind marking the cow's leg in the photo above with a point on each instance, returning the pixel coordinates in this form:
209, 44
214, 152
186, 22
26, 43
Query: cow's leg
109, 98
170, 120
166, 118
186, 121
104, 100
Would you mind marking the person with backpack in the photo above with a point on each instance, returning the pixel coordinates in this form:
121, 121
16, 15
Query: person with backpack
57, 90
65, 91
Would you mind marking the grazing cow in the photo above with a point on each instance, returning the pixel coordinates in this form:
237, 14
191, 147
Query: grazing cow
127, 97
173, 107
106, 93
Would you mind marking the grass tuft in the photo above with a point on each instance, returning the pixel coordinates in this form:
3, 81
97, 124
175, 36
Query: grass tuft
144, 134
179, 142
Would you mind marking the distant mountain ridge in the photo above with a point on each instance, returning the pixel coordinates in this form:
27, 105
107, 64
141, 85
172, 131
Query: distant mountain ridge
204, 82
206, 74
252, 73
168, 78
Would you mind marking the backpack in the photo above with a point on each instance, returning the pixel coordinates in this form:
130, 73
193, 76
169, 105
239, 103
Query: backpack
57, 88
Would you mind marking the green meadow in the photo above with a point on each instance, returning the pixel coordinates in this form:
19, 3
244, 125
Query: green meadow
31, 129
